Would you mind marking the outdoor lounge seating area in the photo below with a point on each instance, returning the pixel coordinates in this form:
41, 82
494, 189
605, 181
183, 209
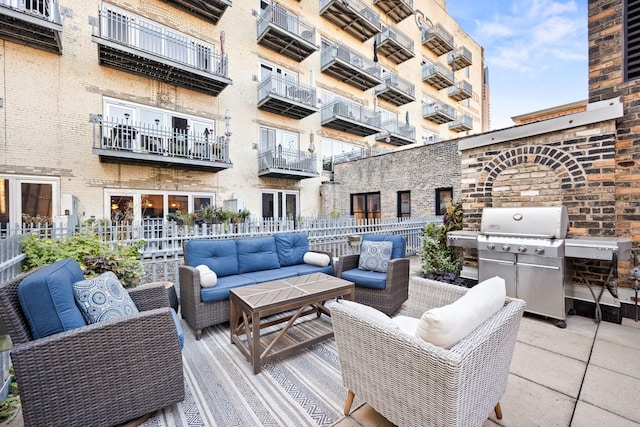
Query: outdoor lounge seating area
557, 376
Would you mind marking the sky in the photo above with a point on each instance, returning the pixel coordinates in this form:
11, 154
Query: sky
536, 51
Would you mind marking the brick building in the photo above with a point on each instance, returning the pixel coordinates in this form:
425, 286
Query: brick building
149, 107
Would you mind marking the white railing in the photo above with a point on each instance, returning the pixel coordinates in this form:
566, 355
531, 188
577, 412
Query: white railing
162, 251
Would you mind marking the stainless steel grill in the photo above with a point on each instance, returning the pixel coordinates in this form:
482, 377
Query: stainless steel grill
527, 247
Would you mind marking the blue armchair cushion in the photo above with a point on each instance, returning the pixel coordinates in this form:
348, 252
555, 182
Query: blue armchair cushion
291, 248
46, 298
221, 256
375, 256
103, 298
365, 278
257, 254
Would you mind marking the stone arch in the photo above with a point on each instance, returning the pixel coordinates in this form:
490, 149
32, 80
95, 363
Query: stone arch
563, 164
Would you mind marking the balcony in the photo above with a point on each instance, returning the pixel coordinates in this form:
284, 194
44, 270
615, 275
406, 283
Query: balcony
34, 24
397, 134
289, 99
133, 44
352, 16
287, 164
145, 144
461, 90
349, 67
437, 40
437, 75
285, 33
350, 117
394, 44
396, 90
211, 10
395, 9
462, 123
438, 112
460, 58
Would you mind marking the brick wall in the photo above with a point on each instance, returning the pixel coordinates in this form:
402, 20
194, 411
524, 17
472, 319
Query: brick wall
420, 170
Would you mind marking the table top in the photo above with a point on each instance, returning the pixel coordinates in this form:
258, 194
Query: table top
306, 287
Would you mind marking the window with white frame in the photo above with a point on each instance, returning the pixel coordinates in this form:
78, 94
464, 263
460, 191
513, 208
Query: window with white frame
334, 151
145, 206
28, 198
278, 80
280, 204
279, 143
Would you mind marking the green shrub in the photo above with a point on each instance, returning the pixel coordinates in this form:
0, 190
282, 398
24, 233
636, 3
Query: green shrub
436, 257
94, 256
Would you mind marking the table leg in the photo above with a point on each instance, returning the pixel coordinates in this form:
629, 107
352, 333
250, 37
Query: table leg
233, 318
255, 350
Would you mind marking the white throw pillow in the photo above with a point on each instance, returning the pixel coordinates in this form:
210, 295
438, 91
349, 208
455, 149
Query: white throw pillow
446, 326
315, 258
367, 311
208, 278
406, 324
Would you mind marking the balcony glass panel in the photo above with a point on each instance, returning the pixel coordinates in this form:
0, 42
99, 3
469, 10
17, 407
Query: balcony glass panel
293, 91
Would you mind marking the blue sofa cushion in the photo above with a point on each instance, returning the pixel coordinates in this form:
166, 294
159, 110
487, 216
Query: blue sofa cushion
291, 248
398, 243
365, 278
220, 256
46, 297
103, 298
269, 275
220, 291
301, 269
257, 254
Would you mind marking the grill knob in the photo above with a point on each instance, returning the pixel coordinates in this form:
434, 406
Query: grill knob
506, 248
539, 250
522, 249
491, 246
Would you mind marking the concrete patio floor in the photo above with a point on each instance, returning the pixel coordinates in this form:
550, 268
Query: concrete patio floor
585, 375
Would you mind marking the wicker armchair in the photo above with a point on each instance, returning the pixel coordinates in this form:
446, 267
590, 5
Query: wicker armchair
396, 290
414, 383
102, 374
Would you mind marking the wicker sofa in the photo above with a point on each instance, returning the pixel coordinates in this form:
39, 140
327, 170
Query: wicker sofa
100, 374
412, 382
383, 291
238, 262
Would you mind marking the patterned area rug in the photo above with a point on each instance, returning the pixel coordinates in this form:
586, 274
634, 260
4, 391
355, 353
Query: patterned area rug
304, 389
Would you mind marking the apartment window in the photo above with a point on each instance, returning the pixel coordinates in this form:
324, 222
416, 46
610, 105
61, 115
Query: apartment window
144, 206
334, 152
280, 204
404, 204
430, 137
28, 198
632, 39
365, 206
444, 199
283, 82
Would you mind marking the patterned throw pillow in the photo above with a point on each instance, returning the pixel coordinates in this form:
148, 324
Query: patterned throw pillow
103, 298
375, 256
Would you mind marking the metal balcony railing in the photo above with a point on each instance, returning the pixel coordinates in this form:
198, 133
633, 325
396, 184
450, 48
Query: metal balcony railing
350, 67
442, 71
396, 127
460, 58
392, 80
44, 9
286, 20
287, 160
292, 91
438, 112
437, 39
392, 33
133, 31
351, 110
462, 123
147, 138
357, 6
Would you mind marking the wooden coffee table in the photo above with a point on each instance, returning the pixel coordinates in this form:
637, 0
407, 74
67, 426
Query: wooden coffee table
304, 294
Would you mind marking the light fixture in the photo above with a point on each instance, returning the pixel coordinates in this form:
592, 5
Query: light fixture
312, 147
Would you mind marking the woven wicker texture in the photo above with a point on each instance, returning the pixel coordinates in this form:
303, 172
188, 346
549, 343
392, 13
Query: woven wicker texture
97, 375
388, 300
198, 314
414, 383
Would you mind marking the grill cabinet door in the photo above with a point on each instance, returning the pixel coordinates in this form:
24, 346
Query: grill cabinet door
500, 264
541, 285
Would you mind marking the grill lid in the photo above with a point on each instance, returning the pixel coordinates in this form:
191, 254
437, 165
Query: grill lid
546, 222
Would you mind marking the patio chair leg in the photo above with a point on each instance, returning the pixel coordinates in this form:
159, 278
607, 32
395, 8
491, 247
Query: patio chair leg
498, 411
198, 334
349, 402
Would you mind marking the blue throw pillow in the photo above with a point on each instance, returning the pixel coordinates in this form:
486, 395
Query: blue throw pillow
103, 298
375, 256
